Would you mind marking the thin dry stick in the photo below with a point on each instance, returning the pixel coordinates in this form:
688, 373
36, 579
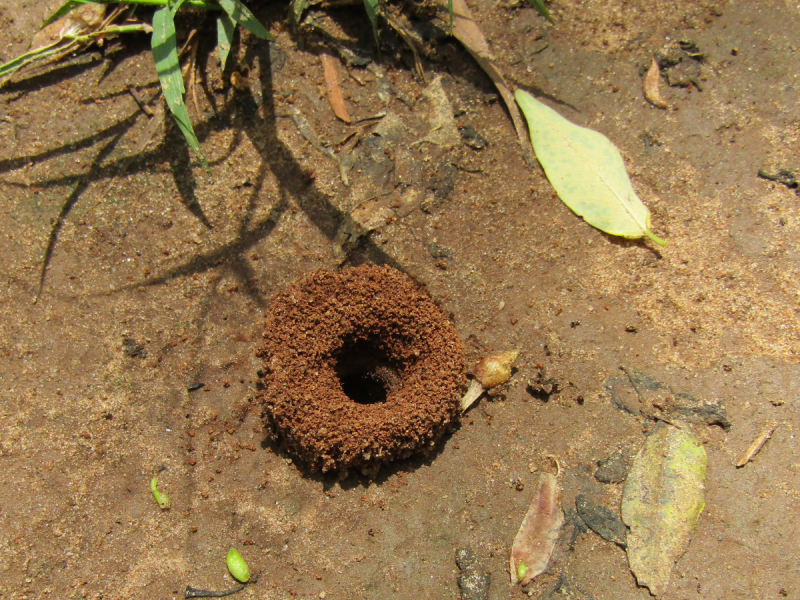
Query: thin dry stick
756, 446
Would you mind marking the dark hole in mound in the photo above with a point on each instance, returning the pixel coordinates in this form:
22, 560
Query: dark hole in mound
366, 374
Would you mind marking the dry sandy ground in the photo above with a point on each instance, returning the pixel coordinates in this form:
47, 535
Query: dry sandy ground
160, 276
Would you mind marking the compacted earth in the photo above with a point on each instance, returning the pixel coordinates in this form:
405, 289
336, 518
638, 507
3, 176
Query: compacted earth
136, 285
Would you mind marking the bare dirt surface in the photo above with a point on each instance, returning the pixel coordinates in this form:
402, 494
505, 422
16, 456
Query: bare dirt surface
159, 276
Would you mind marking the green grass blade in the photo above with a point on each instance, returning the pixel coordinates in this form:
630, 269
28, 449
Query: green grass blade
542, 9
176, 6
165, 54
15, 64
242, 15
71, 4
298, 8
371, 7
225, 27
450, 9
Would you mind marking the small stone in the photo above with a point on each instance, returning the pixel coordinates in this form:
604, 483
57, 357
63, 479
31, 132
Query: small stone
602, 521
611, 469
473, 581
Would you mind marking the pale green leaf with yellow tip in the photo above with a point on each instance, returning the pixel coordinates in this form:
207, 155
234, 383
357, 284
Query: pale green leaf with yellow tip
587, 172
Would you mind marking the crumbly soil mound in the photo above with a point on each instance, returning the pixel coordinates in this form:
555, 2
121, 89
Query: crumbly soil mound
361, 368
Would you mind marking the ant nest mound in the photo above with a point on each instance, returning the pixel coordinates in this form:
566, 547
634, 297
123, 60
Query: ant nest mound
361, 368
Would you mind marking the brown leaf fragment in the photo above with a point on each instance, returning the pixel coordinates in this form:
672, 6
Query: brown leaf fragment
538, 533
651, 81
82, 19
756, 446
333, 87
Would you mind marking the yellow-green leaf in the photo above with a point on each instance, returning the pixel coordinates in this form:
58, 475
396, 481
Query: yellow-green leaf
165, 55
587, 171
662, 502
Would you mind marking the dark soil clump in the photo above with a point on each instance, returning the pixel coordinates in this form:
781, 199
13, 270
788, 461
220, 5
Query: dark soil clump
361, 368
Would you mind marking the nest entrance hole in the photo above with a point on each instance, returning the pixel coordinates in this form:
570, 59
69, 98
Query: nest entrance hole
367, 375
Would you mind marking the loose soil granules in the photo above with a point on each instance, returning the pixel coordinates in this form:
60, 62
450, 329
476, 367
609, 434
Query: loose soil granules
361, 368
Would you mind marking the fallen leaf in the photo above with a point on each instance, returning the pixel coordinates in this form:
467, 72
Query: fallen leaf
662, 502
83, 19
467, 31
651, 81
587, 172
538, 533
332, 85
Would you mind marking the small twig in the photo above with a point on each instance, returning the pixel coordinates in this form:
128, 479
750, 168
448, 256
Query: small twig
756, 446
195, 593
141, 102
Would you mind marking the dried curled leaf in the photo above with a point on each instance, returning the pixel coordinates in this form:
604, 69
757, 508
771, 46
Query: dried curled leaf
495, 369
333, 87
538, 533
662, 502
651, 81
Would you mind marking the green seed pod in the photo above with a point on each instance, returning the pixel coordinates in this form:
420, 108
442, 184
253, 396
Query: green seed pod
161, 498
522, 570
237, 566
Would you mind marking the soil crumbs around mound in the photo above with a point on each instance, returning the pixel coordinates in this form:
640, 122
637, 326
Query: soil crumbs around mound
362, 369
138, 359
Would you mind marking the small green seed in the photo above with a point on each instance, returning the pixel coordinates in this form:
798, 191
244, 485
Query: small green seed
237, 566
161, 498
522, 570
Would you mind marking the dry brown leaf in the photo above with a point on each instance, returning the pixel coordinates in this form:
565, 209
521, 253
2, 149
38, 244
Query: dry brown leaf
538, 533
467, 31
332, 85
87, 17
651, 81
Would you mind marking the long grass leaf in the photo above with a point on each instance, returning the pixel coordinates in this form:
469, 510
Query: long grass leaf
298, 8
165, 55
71, 4
15, 64
225, 28
371, 6
176, 6
450, 10
242, 15
542, 9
